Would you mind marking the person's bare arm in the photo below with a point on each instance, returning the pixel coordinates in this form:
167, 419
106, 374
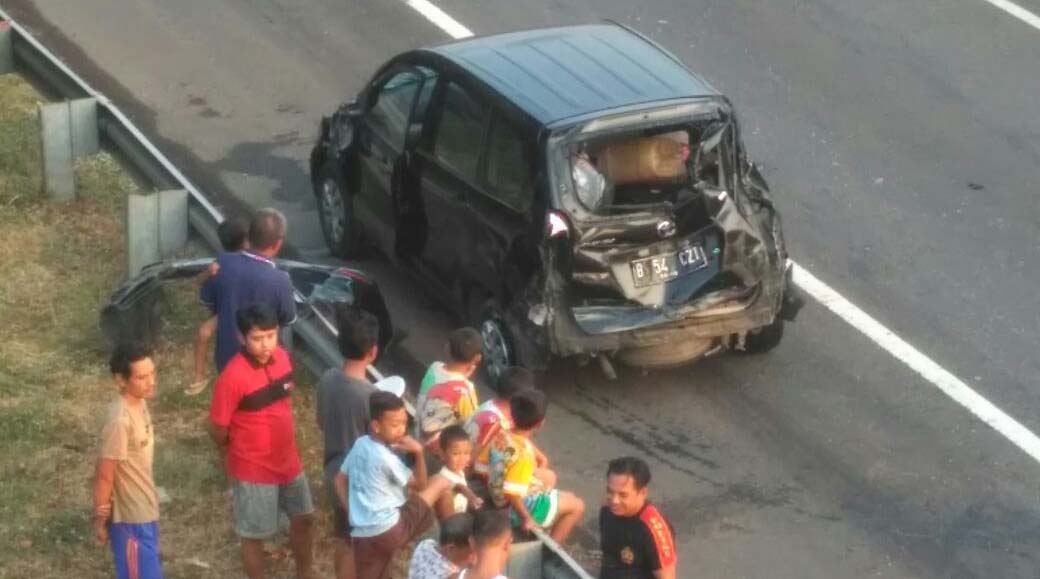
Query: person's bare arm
219, 434
341, 483
518, 505
665, 572
104, 479
413, 447
540, 460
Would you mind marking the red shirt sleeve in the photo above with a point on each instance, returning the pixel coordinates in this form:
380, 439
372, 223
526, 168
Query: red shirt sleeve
661, 550
226, 396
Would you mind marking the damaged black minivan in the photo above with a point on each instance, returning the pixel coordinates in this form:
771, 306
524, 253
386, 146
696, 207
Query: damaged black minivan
569, 191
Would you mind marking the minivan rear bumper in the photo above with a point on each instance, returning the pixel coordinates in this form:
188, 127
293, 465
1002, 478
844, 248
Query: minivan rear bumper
596, 329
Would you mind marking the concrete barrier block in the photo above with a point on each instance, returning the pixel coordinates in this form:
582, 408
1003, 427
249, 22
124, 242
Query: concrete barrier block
142, 232
173, 221
58, 175
84, 127
6, 50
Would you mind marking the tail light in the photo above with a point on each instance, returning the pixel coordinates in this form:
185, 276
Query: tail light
556, 225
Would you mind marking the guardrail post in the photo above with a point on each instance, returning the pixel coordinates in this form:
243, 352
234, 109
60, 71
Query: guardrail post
142, 231
156, 226
6, 50
69, 132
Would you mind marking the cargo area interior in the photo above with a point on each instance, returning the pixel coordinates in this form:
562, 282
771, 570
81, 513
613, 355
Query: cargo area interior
663, 167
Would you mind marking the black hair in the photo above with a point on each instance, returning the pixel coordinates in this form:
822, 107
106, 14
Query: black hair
259, 315
232, 233
633, 467
125, 354
528, 408
358, 332
512, 380
382, 402
464, 344
456, 530
489, 526
453, 433
266, 228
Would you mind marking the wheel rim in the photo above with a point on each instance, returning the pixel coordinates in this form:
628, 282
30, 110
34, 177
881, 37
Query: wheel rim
333, 214
496, 349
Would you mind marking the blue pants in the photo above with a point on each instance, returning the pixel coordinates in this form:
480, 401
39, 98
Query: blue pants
135, 548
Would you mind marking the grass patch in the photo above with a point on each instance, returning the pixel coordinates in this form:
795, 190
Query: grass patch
61, 263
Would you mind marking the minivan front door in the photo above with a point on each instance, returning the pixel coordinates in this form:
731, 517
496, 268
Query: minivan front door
381, 142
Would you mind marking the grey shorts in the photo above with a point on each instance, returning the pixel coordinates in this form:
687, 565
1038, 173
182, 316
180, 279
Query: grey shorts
256, 506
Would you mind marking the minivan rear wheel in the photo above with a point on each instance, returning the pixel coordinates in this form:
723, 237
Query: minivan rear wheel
765, 338
499, 348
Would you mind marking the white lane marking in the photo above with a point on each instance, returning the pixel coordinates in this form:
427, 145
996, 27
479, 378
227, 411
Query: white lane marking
446, 23
946, 382
949, 384
1018, 12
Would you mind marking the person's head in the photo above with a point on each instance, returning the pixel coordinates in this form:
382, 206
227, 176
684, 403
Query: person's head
527, 407
464, 350
627, 480
512, 380
456, 532
456, 448
232, 233
492, 537
389, 417
258, 324
267, 231
358, 334
134, 370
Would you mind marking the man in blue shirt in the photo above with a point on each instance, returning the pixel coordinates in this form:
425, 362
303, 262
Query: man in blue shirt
248, 277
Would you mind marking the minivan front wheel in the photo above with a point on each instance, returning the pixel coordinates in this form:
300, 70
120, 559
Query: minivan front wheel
336, 210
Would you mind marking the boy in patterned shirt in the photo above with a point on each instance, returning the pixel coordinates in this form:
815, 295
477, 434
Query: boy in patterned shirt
512, 482
446, 394
437, 561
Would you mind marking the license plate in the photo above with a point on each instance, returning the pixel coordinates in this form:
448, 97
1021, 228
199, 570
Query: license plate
661, 268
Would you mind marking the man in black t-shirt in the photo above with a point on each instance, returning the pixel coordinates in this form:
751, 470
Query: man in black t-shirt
342, 412
637, 541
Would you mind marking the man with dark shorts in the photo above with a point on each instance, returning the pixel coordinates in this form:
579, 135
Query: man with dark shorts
342, 412
251, 421
637, 541
247, 277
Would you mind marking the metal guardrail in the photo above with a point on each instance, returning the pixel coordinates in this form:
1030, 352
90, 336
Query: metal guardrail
134, 146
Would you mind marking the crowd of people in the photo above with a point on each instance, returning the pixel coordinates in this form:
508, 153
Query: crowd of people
472, 469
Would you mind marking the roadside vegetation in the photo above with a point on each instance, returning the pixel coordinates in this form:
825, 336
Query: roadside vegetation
60, 264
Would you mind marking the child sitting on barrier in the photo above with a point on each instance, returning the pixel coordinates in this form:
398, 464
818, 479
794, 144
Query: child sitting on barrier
446, 394
512, 481
232, 233
494, 416
454, 551
456, 452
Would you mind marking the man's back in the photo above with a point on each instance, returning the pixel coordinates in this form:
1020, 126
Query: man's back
342, 413
245, 278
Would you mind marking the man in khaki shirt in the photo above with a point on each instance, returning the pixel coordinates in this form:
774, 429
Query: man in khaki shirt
126, 504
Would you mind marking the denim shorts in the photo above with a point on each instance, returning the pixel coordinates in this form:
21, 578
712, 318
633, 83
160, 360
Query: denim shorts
256, 506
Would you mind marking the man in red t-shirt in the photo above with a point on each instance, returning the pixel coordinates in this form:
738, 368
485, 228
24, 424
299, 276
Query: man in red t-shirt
251, 421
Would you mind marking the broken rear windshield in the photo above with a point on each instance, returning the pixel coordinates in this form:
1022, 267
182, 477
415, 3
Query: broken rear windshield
641, 169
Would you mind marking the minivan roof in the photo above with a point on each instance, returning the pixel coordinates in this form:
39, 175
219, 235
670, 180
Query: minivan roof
559, 73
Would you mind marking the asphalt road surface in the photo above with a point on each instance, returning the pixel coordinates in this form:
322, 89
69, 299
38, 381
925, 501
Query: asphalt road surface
902, 141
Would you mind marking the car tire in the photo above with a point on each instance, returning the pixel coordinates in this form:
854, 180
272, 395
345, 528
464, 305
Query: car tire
765, 338
499, 346
336, 211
